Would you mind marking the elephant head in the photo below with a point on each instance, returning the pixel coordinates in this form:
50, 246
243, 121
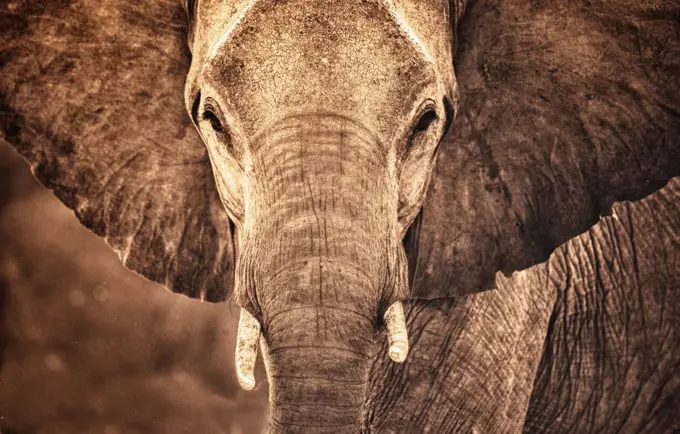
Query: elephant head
321, 120
316, 127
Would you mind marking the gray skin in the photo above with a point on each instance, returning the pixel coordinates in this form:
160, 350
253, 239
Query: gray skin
321, 123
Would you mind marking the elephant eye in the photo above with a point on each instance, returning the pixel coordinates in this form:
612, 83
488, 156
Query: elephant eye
419, 133
210, 114
425, 121
215, 122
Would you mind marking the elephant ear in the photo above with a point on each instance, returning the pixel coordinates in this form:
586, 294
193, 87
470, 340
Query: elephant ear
91, 95
565, 108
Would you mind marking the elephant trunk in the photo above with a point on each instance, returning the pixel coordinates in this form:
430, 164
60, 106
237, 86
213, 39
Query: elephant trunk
320, 338
319, 321
319, 375
321, 260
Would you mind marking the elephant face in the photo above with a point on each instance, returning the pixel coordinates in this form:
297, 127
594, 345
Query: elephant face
321, 120
320, 123
372, 71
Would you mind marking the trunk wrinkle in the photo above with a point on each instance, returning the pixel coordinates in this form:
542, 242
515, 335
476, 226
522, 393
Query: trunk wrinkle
318, 124
318, 378
285, 424
322, 253
321, 347
318, 404
325, 307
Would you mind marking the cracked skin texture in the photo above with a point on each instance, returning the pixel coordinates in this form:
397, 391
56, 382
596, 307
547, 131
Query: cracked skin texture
451, 342
586, 342
591, 93
113, 73
612, 357
564, 109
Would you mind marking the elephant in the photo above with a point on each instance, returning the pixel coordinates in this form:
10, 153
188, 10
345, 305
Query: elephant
330, 160
168, 343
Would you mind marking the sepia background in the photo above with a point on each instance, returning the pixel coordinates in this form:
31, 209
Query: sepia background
87, 346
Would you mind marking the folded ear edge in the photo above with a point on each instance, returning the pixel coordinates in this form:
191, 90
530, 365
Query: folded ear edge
421, 285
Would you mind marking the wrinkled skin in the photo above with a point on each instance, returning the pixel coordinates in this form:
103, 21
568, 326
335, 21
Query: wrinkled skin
320, 124
612, 357
321, 185
179, 385
587, 342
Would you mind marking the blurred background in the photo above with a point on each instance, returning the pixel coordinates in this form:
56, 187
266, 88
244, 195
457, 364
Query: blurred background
87, 346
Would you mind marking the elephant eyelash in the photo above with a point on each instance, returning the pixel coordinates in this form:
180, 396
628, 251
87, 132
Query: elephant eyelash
425, 121
210, 116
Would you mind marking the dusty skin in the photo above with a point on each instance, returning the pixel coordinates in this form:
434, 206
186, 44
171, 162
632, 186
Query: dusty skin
325, 164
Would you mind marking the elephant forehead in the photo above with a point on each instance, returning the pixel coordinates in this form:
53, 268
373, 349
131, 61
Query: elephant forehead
352, 58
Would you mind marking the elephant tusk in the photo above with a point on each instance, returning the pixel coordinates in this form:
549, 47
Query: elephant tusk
246, 349
395, 323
